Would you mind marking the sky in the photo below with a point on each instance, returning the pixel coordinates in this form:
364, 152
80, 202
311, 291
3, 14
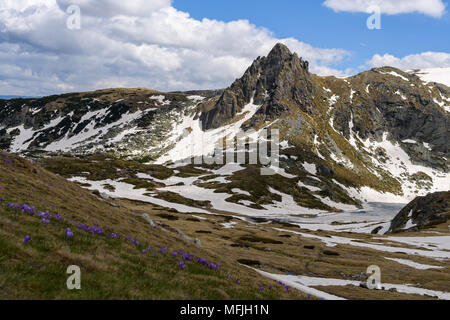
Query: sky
55, 46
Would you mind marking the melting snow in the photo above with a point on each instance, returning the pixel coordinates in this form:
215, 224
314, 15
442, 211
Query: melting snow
395, 74
310, 167
128, 191
191, 141
399, 164
335, 240
196, 98
414, 265
440, 75
304, 284
160, 99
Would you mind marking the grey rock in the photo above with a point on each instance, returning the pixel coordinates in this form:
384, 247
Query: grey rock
325, 171
149, 220
189, 239
104, 196
276, 82
424, 211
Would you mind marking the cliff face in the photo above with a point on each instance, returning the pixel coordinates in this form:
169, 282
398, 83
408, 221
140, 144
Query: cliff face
277, 82
423, 212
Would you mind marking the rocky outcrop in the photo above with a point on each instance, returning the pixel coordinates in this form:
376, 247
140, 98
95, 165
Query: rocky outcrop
423, 212
278, 82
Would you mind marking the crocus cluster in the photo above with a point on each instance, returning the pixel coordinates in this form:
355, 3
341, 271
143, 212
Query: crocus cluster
108, 233
89, 229
69, 234
209, 265
6, 159
163, 250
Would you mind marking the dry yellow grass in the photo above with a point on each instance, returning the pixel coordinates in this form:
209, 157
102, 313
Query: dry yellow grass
281, 252
111, 269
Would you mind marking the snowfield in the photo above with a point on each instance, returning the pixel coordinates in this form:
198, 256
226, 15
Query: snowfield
439, 75
304, 284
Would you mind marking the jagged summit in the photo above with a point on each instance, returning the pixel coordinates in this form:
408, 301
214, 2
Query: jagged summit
276, 82
280, 53
280, 49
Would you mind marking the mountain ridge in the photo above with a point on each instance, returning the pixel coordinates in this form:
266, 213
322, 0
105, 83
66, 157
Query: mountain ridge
383, 129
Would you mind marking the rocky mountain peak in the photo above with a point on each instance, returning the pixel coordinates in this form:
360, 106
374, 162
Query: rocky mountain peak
280, 54
278, 82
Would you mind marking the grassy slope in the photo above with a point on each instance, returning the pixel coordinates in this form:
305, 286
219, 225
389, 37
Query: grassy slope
111, 269
114, 269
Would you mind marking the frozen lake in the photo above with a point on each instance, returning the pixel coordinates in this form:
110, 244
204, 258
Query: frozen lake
373, 215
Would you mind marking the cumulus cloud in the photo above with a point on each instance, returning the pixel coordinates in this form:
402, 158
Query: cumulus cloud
130, 44
111, 8
415, 61
434, 8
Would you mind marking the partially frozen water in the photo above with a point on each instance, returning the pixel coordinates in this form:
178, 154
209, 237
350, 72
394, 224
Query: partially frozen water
364, 220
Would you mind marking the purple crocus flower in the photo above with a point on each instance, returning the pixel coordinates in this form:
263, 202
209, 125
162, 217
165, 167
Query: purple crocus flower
238, 282
27, 239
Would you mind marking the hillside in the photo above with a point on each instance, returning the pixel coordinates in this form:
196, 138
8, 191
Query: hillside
107, 244
134, 174
293, 262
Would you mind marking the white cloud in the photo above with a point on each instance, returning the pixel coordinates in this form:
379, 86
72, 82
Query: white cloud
111, 8
434, 8
415, 61
132, 44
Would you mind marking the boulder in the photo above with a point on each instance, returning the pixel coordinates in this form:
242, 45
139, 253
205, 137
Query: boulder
423, 212
325, 171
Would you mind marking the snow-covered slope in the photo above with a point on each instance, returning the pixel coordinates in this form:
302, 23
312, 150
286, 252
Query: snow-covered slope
439, 75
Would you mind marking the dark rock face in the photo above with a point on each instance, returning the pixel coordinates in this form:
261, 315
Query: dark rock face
278, 82
423, 212
403, 106
325, 171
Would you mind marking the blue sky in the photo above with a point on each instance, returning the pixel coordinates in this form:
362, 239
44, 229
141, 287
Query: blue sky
313, 23
173, 45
